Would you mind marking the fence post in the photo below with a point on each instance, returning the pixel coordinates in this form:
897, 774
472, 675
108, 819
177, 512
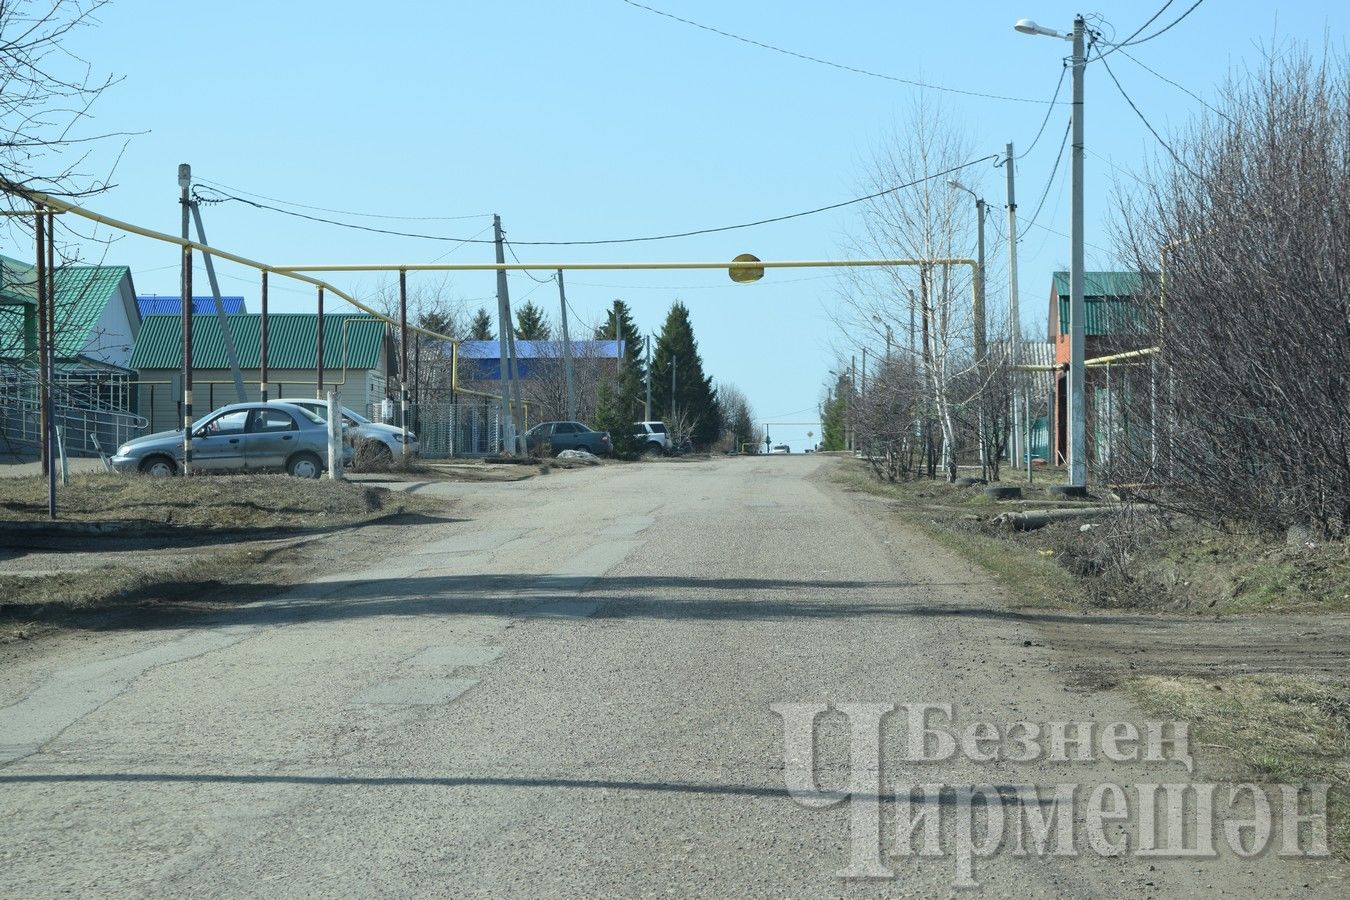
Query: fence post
334, 438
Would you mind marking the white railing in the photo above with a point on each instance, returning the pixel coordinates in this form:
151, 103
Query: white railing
91, 408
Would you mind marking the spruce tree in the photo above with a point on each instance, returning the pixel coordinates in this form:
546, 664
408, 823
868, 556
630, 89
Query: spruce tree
532, 323
620, 394
628, 333
481, 327
694, 403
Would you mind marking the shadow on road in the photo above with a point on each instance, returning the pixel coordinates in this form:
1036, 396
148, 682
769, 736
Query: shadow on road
946, 798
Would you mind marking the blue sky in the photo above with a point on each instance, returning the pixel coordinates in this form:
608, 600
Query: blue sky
597, 120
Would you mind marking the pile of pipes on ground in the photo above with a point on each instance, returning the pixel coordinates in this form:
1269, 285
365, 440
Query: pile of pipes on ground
1032, 519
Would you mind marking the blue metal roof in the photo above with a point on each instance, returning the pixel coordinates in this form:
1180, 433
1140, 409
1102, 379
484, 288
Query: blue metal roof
156, 305
542, 349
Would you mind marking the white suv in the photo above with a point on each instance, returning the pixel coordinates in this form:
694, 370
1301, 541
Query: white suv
652, 437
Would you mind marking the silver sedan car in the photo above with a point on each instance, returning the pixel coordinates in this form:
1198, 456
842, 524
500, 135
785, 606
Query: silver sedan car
241, 437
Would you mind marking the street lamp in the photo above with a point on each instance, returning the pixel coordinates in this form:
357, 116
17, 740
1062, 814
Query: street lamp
1077, 344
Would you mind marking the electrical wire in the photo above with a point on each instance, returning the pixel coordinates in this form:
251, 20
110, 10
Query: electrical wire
341, 212
1182, 88
526, 271
1147, 124
825, 62
223, 197
1050, 108
1130, 42
1053, 172
1151, 19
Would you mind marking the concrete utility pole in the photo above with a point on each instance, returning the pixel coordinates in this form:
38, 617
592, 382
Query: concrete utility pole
231, 354
185, 285
518, 414
647, 410
262, 340
43, 338
672, 387
403, 356
46, 300
981, 335
318, 350
1077, 344
1077, 311
508, 427
567, 351
1015, 446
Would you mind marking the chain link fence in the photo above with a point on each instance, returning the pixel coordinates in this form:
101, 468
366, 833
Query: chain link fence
445, 430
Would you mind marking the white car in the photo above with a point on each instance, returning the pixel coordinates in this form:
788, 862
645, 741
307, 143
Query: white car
781, 448
358, 426
652, 437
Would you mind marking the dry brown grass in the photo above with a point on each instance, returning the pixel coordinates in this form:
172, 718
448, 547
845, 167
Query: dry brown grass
176, 539
217, 503
1286, 729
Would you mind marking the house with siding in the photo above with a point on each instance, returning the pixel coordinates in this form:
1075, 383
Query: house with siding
95, 324
96, 316
357, 361
1111, 325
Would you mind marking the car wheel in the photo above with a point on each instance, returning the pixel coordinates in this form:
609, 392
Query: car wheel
159, 467
304, 465
653, 449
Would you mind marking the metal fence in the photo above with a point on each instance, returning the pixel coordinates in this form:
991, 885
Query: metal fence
444, 430
90, 408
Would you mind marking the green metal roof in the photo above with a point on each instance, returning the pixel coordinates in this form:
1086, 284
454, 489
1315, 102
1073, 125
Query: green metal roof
353, 340
1104, 284
1107, 300
17, 287
82, 295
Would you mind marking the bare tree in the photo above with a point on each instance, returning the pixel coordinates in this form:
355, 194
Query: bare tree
431, 306
1242, 416
48, 93
926, 221
738, 418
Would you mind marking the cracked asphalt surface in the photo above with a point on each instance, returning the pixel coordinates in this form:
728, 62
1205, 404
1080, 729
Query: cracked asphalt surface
565, 691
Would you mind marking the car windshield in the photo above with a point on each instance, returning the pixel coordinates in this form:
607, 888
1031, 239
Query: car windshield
355, 417
312, 415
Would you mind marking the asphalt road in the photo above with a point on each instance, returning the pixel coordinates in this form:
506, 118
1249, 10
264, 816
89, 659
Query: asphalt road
566, 692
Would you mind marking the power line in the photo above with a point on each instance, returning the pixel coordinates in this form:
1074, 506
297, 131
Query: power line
826, 62
1182, 88
1119, 169
1051, 180
223, 197
1050, 108
1139, 113
526, 271
1130, 42
1063, 235
1150, 21
342, 212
